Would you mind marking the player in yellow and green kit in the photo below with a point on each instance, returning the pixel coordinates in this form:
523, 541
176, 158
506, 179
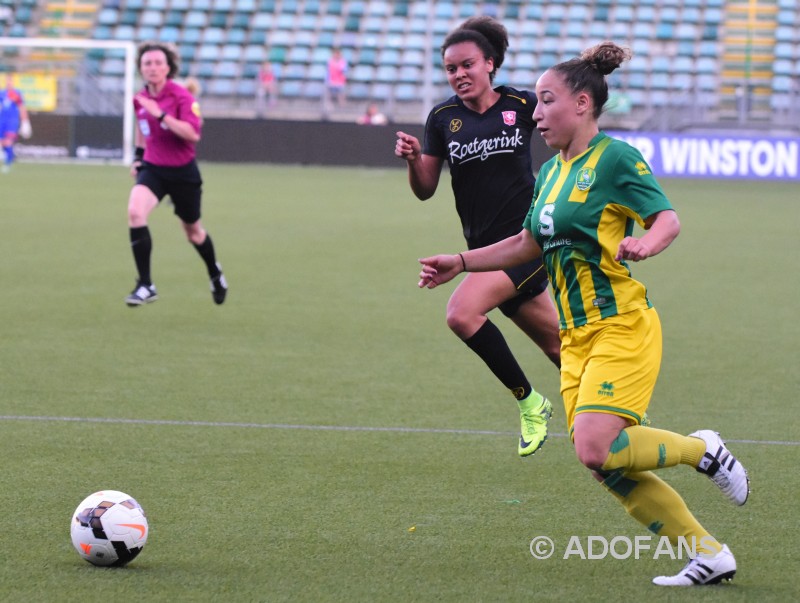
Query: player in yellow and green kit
586, 202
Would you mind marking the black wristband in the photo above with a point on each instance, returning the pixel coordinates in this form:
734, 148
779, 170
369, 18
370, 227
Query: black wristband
138, 154
162, 116
463, 263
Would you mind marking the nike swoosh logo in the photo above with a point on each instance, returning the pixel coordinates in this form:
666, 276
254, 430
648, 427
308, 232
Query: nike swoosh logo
136, 526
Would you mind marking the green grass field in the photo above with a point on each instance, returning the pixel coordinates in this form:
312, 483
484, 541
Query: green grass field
323, 436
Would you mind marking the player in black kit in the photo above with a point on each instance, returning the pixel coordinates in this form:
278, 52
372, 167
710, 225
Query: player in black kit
484, 134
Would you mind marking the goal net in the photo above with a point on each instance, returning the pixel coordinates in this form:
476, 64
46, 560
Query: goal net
79, 94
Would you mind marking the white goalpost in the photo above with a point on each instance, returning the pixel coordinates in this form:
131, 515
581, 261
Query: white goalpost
126, 48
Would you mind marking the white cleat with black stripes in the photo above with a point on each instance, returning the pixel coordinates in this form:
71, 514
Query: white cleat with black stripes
703, 570
722, 467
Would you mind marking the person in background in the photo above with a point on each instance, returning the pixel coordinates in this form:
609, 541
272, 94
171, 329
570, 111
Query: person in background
484, 134
372, 116
335, 80
267, 88
14, 121
586, 202
168, 127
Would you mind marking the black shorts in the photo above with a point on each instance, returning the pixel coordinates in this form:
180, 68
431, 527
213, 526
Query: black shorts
530, 280
183, 184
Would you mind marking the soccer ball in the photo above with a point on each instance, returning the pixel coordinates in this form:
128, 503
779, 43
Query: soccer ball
109, 528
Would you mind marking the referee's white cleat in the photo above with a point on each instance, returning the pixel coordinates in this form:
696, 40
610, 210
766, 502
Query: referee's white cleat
142, 294
722, 467
703, 570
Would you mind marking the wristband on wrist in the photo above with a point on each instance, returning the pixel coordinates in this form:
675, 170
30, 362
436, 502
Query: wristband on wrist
463, 263
138, 154
162, 116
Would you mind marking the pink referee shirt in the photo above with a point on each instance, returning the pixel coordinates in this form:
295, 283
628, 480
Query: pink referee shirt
163, 147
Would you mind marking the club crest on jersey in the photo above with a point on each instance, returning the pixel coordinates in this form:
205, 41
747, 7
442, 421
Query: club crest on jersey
509, 117
585, 179
455, 125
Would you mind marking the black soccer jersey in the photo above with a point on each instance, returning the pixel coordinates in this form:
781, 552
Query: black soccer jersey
489, 156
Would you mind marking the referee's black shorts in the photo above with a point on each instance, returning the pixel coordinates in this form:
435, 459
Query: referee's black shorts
530, 279
183, 184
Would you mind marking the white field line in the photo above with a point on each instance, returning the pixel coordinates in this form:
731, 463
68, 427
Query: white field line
476, 432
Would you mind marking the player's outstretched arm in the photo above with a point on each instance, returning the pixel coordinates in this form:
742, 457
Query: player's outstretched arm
507, 253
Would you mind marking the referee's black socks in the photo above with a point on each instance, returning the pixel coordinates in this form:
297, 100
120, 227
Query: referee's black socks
142, 247
206, 251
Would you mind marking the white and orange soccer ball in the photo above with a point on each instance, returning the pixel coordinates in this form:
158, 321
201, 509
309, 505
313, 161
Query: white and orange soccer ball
109, 528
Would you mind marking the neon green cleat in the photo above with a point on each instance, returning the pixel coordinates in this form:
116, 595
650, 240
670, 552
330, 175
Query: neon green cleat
534, 427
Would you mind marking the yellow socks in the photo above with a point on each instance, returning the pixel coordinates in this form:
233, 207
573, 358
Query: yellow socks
639, 448
655, 504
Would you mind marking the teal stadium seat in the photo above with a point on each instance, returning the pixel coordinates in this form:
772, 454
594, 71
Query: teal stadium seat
246, 87
320, 55
712, 16
241, 21
255, 53
129, 17
108, 16
204, 70
262, 21
407, 92
378, 8
290, 88
227, 70
195, 19
784, 50
257, 36
665, 31
174, 18
686, 31
218, 19
317, 71
125, 32
220, 87
169, 34
691, 14
623, 14
372, 24
191, 35
213, 35
146, 32
231, 52
358, 91
208, 52
668, 14
102, 32
400, 9
299, 54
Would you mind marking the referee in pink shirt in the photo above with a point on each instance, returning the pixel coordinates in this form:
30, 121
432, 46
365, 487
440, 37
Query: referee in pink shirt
168, 126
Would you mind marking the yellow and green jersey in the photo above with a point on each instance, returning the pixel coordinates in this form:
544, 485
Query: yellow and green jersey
582, 209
